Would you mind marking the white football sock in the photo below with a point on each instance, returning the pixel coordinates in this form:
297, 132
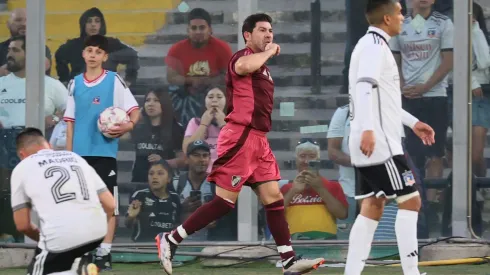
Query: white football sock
360, 239
103, 249
406, 236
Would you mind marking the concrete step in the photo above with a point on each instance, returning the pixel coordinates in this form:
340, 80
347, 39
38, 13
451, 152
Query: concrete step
283, 77
292, 55
283, 33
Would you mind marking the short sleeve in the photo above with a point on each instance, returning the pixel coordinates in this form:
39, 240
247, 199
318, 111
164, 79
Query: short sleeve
395, 44
235, 58
337, 124
60, 94
447, 36
136, 196
19, 198
70, 103
172, 59
336, 190
371, 62
191, 127
124, 98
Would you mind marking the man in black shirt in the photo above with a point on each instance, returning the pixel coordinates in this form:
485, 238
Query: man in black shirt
154, 209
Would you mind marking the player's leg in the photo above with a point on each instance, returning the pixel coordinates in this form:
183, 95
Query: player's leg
232, 168
106, 168
409, 203
264, 181
375, 185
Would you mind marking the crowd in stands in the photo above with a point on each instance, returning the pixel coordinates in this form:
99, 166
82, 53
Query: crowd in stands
173, 146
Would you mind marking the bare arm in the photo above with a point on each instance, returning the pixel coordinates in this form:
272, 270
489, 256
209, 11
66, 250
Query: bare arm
444, 68
334, 206
134, 117
335, 152
107, 201
69, 135
250, 63
289, 196
22, 219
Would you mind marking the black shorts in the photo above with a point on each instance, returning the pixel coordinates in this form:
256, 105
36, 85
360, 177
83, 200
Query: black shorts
433, 111
45, 262
390, 179
106, 168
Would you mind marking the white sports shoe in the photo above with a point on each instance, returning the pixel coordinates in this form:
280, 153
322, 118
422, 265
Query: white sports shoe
299, 266
166, 251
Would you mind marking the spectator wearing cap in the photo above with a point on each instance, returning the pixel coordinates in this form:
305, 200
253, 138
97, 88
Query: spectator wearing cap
195, 65
192, 187
312, 202
155, 209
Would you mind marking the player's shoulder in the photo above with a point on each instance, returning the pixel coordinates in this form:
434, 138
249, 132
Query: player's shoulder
243, 52
141, 193
119, 80
439, 19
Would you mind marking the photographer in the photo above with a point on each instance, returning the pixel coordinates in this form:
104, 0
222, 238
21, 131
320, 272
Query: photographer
312, 202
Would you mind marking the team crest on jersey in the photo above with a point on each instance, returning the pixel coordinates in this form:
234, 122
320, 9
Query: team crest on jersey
408, 178
431, 33
96, 100
235, 180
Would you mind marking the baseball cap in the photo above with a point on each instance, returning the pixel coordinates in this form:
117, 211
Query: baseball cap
198, 144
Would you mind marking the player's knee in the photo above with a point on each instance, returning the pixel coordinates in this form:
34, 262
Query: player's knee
271, 197
410, 201
372, 208
227, 203
226, 195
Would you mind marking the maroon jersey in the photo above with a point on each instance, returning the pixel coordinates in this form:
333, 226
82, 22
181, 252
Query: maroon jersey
249, 98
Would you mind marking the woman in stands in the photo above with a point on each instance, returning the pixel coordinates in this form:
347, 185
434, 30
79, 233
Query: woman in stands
157, 136
208, 126
155, 209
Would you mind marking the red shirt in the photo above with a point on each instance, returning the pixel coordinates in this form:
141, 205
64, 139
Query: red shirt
310, 196
210, 60
250, 98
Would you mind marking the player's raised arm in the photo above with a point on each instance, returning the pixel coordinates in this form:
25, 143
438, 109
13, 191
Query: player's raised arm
21, 206
252, 62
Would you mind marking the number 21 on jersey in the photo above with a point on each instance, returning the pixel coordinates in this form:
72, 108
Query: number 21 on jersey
64, 176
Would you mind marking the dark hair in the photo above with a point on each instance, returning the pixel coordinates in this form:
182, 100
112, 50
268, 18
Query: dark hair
28, 136
20, 38
165, 165
377, 9
97, 40
166, 118
252, 20
199, 13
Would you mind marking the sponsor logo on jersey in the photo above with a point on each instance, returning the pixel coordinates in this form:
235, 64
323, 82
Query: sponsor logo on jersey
306, 199
235, 180
13, 101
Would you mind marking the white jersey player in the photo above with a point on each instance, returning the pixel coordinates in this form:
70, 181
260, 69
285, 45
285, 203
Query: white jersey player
71, 200
375, 140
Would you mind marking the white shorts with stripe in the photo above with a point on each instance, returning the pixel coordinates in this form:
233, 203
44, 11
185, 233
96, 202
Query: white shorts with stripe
390, 179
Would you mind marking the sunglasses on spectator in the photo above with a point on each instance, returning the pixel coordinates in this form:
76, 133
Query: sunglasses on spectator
200, 27
305, 140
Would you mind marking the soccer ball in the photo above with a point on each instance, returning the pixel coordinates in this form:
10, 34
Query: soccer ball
109, 117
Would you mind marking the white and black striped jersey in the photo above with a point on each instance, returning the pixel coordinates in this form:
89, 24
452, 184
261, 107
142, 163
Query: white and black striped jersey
372, 61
